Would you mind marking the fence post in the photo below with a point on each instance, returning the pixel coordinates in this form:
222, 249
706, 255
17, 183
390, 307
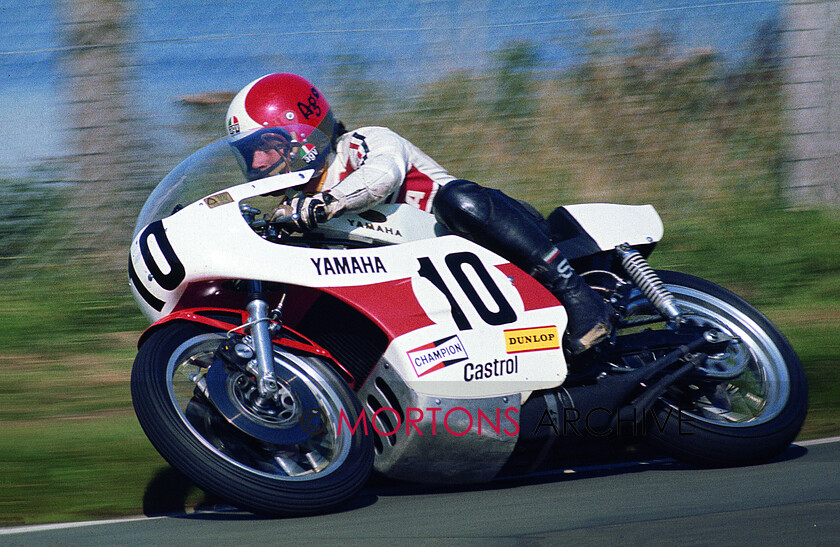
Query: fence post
811, 34
109, 158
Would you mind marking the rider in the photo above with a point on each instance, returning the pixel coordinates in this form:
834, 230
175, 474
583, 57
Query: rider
276, 118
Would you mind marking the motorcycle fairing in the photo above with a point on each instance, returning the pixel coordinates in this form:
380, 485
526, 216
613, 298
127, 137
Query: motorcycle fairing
461, 321
424, 294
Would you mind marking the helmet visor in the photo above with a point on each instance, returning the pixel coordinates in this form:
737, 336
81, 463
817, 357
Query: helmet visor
276, 150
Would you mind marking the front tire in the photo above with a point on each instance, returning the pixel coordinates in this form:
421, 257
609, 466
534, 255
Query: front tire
309, 475
749, 419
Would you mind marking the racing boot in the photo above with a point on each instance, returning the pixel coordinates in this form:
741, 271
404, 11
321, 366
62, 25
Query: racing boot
590, 318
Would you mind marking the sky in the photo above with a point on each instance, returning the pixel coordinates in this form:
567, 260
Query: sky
191, 46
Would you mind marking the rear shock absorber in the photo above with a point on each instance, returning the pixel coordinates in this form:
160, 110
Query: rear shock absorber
648, 282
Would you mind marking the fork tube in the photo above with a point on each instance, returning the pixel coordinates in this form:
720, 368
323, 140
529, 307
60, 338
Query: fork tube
258, 317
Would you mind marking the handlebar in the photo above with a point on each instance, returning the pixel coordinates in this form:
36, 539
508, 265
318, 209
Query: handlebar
283, 219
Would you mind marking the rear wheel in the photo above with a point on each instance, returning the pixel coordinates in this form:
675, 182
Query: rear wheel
747, 419
294, 455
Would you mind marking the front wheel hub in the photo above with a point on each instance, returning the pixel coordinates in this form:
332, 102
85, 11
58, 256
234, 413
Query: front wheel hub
278, 419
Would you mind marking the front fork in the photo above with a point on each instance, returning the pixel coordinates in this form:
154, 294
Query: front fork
259, 319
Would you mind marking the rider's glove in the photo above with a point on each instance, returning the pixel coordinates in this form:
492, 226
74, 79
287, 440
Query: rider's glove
303, 213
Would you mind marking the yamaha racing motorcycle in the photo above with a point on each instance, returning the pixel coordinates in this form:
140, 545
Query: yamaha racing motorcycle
281, 368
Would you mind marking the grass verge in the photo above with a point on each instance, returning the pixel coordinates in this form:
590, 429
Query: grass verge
72, 449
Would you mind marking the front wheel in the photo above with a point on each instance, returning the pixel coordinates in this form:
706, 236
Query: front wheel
297, 456
747, 419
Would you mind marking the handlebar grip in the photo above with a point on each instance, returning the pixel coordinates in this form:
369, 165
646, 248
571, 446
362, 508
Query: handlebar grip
286, 219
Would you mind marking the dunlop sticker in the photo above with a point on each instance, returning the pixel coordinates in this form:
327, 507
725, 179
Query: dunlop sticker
532, 339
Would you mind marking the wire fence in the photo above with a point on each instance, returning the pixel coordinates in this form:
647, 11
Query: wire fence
549, 100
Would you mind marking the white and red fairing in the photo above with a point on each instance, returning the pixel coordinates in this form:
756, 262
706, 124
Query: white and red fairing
384, 283
452, 310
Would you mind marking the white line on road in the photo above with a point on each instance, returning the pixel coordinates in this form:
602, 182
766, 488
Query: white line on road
66, 525
813, 442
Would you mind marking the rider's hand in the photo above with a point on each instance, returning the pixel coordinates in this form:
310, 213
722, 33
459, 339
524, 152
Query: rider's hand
304, 213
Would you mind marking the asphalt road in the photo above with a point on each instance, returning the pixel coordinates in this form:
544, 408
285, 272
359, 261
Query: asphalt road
794, 500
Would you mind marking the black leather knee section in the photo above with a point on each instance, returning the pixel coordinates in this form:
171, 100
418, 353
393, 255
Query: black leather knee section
464, 207
493, 220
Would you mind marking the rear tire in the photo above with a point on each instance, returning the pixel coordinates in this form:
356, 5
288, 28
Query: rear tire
314, 475
746, 420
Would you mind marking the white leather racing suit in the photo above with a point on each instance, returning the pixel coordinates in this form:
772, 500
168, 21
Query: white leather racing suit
373, 165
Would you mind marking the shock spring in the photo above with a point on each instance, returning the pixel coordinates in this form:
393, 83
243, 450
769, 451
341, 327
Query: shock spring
648, 282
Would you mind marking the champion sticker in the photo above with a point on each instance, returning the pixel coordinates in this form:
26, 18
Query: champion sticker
437, 355
532, 339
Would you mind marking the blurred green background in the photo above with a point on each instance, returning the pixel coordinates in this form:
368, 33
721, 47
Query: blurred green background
705, 111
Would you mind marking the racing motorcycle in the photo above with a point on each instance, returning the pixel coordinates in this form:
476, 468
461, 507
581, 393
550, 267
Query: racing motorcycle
281, 368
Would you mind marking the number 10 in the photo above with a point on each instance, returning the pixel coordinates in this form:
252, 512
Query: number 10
455, 262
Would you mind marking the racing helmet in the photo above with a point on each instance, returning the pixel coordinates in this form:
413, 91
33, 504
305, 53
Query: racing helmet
279, 100
266, 151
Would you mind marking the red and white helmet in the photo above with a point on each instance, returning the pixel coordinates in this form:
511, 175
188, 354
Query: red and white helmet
279, 100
